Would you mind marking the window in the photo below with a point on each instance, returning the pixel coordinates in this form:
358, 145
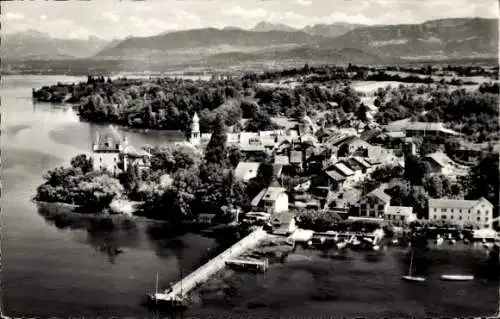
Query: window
106, 144
479, 219
460, 217
469, 211
443, 210
452, 210
100, 159
381, 207
443, 216
117, 145
478, 212
460, 210
435, 217
435, 209
451, 217
486, 219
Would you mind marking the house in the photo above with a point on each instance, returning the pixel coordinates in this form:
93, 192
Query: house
353, 144
273, 199
245, 171
296, 159
139, 158
400, 213
281, 160
283, 223
107, 151
462, 212
335, 180
351, 177
427, 129
440, 163
367, 167
375, 203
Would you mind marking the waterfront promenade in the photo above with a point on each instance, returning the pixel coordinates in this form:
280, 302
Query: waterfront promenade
200, 275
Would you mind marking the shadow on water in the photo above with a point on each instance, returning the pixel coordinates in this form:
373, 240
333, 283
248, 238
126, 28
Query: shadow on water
106, 234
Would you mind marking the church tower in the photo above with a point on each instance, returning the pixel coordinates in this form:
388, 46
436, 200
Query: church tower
195, 137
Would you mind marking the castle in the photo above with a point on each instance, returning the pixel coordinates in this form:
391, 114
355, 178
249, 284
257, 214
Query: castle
111, 152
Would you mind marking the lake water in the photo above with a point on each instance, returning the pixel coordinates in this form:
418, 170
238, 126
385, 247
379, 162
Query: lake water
64, 267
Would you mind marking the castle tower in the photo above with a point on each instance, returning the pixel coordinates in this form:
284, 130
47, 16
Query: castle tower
195, 137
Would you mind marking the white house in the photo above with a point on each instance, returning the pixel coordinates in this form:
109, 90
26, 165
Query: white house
460, 212
375, 203
246, 170
273, 199
283, 223
400, 213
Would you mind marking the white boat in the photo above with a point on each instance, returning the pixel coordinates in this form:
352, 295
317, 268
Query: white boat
342, 245
457, 277
409, 277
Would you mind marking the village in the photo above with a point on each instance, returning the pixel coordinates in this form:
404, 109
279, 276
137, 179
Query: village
330, 167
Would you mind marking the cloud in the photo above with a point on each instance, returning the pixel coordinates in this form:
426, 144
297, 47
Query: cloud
305, 3
246, 13
14, 16
111, 16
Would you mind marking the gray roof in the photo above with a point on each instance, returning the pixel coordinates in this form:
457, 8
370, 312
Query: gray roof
380, 194
456, 203
335, 176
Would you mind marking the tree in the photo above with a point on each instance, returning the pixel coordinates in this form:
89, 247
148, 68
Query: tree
234, 156
100, 190
428, 147
249, 109
260, 122
361, 112
216, 149
83, 163
485, 179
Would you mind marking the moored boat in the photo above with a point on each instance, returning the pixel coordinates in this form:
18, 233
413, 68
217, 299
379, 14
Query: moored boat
457, 277
413, 278
409, 277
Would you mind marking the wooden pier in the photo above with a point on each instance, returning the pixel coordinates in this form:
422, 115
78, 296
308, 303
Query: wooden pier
250, 264
200, 275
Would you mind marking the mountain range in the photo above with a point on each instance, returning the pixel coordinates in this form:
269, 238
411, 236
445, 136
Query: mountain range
327, 43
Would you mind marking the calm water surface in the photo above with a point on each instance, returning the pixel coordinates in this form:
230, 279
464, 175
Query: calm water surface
64, 267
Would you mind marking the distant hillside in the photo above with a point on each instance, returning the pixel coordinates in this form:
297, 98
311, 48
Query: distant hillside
204, 38
305, 54
264, 26
331, 30
37, 45
447, 38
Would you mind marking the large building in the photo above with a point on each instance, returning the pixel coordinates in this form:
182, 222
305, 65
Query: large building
462, 212
112, 153
107, 150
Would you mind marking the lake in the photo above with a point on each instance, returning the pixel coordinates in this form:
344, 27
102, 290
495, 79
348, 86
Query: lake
55, 265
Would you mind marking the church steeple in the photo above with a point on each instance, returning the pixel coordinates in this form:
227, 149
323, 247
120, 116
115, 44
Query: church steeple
195, 138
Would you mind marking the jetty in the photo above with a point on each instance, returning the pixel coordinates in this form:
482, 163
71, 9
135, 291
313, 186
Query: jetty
200, 275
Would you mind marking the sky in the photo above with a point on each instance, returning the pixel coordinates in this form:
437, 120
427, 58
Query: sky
110, 19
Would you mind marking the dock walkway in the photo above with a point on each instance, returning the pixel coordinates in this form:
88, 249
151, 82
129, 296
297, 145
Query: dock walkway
201, 274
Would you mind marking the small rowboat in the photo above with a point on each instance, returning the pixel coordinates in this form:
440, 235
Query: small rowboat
457, 277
